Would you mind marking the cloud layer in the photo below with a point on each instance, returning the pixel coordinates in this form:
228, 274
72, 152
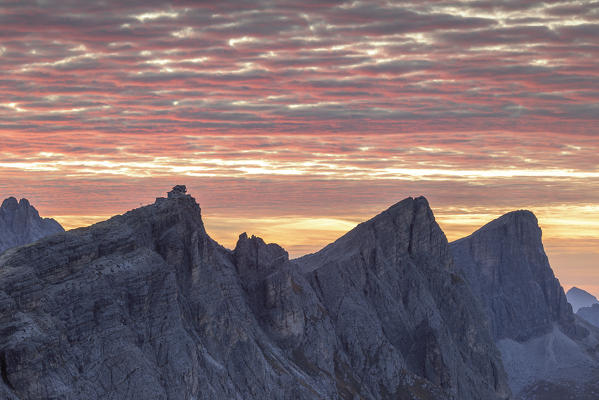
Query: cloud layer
326, 111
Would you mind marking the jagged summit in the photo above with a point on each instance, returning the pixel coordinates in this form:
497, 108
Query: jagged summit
257, 245
11, 204
177, 192
409, 205
177, 201
255, 259
20, 224
581, 292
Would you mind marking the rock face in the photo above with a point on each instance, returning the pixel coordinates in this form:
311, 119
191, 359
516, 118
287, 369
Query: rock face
580, 298
538, 335
508, 270
21, 224
146, 305
393, 293
590, 314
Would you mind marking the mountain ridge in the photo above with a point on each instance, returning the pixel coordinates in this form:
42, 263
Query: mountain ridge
389, 310
150, 299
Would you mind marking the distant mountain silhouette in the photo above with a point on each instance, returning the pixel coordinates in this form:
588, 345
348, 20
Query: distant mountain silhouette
21, 224
580, 298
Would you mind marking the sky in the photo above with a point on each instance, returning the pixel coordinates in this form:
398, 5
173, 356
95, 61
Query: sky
295, 120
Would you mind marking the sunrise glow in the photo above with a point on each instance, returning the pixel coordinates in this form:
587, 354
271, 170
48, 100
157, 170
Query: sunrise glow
296, 123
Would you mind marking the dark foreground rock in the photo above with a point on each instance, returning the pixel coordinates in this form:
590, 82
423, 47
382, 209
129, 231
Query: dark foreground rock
147, 306
21, 224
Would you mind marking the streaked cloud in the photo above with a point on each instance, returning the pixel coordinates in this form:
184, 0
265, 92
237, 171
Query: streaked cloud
295, 120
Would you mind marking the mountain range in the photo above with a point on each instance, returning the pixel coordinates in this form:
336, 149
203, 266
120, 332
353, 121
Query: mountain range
147, 305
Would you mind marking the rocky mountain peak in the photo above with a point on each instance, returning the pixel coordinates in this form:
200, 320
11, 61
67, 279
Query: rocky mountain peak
539, 337
507, 267
519, 227
9, 203
24, 203
395, 272
406, 228
20, 224
178, 199
270, 253
580, 292
425, 236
